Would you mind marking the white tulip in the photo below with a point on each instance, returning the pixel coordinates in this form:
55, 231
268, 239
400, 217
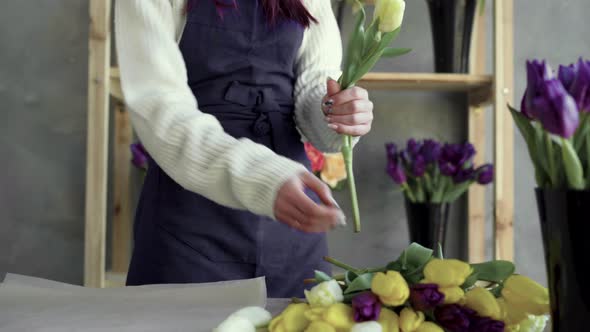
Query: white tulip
367, 327
390, 14
235, 324
256, 315
325, 294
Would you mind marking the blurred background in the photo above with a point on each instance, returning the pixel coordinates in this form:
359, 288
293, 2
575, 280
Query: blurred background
43, 98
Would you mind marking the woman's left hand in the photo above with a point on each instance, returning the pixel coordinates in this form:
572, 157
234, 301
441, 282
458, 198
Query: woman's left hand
348, 112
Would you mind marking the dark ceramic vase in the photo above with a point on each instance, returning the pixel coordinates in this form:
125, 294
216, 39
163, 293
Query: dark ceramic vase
565, 225
451, 22
427, 223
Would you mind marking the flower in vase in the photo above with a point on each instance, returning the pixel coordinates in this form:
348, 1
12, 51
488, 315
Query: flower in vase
139, 156
454, 317
576, 80
485, 174
430, 150
455, 157
425, 296
366, 307
395, 168
464, 175
418, 166
547, 101
315, 156
390, 14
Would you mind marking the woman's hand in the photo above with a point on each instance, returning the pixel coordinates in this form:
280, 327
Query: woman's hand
294, 208
348, 112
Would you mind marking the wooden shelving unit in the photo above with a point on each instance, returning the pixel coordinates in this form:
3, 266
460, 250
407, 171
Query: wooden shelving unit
482, 89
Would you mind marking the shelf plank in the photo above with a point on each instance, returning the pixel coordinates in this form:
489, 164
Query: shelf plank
426, 82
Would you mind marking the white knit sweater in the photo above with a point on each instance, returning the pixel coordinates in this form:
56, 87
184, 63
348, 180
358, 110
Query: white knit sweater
191, 146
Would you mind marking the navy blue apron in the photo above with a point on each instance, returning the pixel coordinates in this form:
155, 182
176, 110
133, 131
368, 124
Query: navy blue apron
241, 70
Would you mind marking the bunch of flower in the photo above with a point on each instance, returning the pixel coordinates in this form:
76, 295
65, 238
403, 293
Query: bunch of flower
327, 166
555, 122
418, 292
431, 172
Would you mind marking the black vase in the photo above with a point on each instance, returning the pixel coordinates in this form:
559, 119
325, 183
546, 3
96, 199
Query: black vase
451, 22
565, 225
427, 223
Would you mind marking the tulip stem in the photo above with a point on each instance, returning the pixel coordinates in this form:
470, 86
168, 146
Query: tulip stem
347, 154
550, 160
341, 265
588, 161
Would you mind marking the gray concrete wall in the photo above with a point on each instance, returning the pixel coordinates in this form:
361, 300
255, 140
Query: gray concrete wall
43, 62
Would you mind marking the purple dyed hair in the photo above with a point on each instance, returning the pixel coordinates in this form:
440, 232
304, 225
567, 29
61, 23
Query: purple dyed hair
275, 10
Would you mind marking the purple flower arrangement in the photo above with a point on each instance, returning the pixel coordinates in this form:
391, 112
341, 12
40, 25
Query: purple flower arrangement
554, 120
432, 172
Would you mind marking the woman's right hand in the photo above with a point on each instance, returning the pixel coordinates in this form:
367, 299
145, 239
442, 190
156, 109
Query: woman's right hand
294, 208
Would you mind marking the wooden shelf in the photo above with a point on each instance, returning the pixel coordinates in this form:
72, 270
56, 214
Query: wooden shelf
479, 87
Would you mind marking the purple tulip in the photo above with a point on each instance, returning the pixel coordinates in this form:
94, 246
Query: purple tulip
454, 317
464, 175
413, 147
366, 307
485, 324
396, 172
425, 296
485, 174
537, 73
431, 150
419, 166
555, 109
139, 156
391, 149
455, 157
566, 75
580, 86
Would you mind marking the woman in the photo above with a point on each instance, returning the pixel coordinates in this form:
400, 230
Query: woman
220, 93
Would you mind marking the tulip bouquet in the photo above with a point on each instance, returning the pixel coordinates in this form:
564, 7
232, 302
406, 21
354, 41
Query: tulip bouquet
365, 48
555, 122
431, 172
419, 292
327, 166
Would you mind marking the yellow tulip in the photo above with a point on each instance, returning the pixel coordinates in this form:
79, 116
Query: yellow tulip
389, 320
410, 320
334, 169
511, 315
391, 288
483, 302
320, 326
526, 295
292, 319
339, 316
447, 272
390, 14
429, 327
452, 294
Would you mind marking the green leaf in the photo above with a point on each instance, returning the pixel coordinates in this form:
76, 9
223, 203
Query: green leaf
321, 276
349, 277
494, 271
582, 132
354, 48
360, 283
497, 291
455, 191
470, 281
391, 52
395, 266
418, 255
388, 37
573, 167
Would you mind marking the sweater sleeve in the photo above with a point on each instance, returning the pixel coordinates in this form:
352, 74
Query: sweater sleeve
319, 58
189, 145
